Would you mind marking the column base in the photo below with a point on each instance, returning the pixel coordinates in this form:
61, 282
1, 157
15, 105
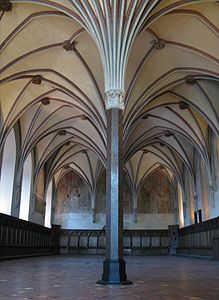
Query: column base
114, 273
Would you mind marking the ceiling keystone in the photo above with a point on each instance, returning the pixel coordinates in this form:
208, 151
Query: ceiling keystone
5, 5
62, 132
45, 101
158, 44
183, 105
190, 79
37, 79
168, 134
68, 45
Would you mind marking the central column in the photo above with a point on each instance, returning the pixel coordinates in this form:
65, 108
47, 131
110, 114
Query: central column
114, 270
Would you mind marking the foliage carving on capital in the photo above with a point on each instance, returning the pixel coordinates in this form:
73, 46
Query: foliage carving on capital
115, 99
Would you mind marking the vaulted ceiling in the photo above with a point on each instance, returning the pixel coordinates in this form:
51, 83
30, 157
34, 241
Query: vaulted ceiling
54, 70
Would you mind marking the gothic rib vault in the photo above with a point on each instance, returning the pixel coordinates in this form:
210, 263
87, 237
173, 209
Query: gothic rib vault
65, 64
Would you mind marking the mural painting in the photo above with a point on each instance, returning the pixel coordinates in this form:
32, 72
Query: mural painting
155, 195
39, 199
72, 195
39, 205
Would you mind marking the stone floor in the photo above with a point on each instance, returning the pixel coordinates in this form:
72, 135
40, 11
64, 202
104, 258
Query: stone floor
64, 277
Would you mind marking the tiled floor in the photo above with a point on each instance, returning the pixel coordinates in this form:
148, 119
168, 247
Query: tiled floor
63, 277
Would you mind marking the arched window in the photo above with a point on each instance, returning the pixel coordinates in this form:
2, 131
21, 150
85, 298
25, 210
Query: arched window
7, 173
48, 206
25, 191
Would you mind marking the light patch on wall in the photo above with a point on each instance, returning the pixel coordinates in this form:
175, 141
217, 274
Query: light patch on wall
25, 192
181, 215
7, 174
48, 206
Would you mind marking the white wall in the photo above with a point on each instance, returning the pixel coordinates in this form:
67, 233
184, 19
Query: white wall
149, 221
145, 221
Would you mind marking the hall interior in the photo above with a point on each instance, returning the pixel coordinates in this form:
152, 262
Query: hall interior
109, 126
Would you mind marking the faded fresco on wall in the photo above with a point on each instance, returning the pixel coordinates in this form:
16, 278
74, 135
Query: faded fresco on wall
101, 196
39, 205
39, 199
72, 195
155, 195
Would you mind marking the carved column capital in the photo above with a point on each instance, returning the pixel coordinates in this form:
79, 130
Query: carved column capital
115, 99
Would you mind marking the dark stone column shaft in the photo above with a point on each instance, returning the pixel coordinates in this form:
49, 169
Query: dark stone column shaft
114, 222
114, 266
